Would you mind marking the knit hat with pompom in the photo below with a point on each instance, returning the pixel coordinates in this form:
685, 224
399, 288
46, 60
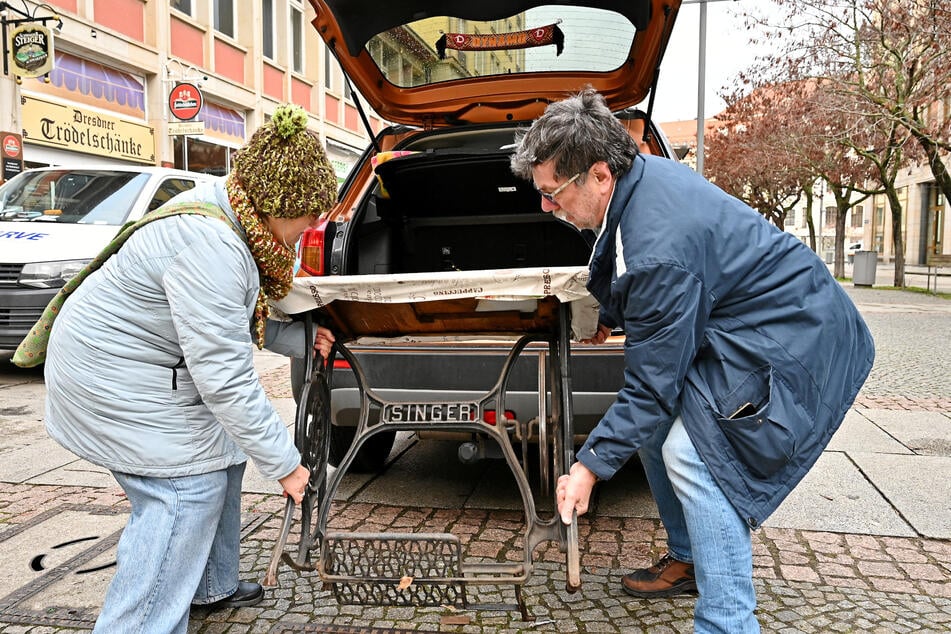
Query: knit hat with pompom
284, 168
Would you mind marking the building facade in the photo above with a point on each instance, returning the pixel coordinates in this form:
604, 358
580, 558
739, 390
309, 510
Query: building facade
924, 227
109, 98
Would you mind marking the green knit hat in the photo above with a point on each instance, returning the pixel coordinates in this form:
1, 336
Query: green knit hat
284, 168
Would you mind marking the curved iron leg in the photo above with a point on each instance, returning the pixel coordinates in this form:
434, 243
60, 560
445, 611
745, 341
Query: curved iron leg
544, 450
562, 393
314, 423
311, 429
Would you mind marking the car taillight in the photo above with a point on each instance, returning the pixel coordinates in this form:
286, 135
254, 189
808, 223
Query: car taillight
489, 416
341, 364
312, 245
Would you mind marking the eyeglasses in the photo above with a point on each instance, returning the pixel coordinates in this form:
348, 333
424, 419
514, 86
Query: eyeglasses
550, 196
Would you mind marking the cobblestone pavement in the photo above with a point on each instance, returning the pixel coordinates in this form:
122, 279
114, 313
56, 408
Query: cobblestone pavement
806, 581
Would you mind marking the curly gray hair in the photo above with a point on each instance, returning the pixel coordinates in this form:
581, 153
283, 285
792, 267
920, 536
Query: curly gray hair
575, 133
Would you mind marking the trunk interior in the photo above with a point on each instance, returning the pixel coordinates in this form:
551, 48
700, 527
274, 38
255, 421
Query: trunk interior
453, 210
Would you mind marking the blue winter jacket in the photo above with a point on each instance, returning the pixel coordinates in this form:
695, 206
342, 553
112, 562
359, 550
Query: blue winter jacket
721, 309
150, 368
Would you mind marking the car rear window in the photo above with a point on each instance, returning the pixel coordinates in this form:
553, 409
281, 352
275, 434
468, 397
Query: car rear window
550, 38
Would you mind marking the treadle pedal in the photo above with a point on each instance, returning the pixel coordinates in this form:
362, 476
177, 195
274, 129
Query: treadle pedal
414, 569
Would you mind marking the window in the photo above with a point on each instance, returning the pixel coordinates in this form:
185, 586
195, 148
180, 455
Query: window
224, 17
790, 218
201, 156
267, 28
185, 6
169, 188
858, 216
297, 40
328, 69
831, 213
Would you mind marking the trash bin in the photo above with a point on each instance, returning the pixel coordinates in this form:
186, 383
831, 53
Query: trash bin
830, 257
863, 269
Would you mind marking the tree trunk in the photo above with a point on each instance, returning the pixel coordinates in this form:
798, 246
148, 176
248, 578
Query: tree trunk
809, 223
898, 240
841, 206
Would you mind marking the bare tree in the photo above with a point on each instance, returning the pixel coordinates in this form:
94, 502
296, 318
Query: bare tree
885, 65
776, 142
906, 74
749, 155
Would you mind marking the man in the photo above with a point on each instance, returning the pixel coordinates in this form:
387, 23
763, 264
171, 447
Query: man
742, 353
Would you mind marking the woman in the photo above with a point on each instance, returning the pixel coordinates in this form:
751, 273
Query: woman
149, 373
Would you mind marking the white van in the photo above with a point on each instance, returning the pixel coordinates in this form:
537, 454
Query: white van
54, 220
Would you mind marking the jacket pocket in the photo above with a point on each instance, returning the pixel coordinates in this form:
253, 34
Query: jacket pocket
764, 440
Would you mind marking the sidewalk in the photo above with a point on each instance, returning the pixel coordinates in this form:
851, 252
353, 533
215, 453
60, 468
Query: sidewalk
915, 276
862, 545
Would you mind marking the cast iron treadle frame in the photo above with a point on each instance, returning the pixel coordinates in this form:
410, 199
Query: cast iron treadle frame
428, 568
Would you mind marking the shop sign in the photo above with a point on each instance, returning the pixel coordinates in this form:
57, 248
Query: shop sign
11, 154
78, 130
184, 101
186, 128
341, 169
30, 49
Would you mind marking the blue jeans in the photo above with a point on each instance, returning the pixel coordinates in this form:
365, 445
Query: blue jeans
702, 528
180, 546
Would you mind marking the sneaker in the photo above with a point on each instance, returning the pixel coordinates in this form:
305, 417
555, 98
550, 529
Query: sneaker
666, 578
247, 594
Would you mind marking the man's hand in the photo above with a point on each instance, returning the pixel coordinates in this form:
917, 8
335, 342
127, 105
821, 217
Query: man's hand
295, 483
573, 491
324, 341
600, 336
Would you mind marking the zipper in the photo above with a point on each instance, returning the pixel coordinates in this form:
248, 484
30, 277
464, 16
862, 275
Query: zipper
180, 364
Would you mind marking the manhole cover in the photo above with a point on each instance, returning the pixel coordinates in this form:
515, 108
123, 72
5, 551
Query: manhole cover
57, 566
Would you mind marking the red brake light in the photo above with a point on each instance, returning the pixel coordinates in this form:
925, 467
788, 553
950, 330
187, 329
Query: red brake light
489, 416
312, 246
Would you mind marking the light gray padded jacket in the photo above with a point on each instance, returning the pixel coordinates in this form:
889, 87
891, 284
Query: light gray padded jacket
149, 368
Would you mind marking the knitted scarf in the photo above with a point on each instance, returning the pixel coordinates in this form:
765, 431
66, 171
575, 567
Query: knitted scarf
275, 260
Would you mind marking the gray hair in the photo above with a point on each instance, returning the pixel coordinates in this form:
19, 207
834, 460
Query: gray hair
575, 133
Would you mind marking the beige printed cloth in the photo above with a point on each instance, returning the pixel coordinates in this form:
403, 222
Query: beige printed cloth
490, 287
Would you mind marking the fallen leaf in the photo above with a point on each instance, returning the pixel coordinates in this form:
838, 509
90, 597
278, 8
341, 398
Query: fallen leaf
405, 582
455, 619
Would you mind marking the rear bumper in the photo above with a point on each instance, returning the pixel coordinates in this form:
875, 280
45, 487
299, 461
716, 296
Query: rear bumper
454, 373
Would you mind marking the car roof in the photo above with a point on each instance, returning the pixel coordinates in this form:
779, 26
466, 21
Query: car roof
143, 169
431, 63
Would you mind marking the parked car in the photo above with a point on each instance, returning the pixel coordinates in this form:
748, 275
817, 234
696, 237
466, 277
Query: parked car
54, 220
852, 249
445, 198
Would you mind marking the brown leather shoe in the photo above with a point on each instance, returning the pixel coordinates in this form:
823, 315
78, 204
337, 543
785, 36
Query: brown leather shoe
666, 578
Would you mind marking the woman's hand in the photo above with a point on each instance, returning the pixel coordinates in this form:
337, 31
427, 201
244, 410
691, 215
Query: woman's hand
573, 491
600, 336
324, 341
295, 483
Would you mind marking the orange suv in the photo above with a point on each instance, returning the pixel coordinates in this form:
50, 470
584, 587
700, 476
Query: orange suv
434, 191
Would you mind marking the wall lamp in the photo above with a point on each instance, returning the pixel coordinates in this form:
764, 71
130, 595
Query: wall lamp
25, 15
